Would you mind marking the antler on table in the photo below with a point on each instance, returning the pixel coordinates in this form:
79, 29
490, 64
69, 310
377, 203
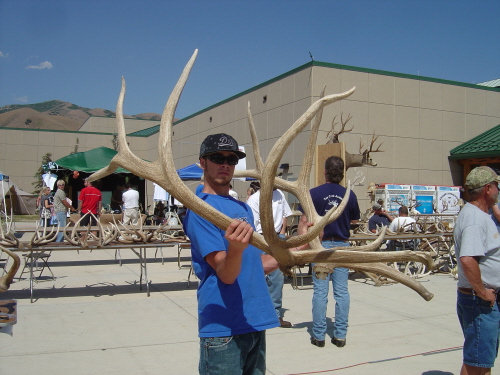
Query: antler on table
7, 279
163, 172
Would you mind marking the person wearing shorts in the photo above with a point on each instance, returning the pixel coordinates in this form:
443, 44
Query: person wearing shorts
477, 244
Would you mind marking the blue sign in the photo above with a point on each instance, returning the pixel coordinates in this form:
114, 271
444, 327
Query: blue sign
424, 204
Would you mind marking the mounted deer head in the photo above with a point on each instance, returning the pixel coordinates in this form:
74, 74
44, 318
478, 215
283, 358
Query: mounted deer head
163, 172
364, 157
335, 135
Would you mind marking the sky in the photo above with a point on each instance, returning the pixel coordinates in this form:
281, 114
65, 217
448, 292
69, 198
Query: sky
77, 51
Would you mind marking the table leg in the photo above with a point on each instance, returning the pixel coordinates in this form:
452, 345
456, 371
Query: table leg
31, 276
146, 271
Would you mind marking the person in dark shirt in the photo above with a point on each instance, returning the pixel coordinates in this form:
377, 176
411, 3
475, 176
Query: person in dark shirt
335, 234
380, 218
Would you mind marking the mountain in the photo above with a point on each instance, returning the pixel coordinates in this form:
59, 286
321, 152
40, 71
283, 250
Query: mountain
56, 115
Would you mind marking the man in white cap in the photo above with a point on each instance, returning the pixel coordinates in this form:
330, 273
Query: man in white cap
477, 244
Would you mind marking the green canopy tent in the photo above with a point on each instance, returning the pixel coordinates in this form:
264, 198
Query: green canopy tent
89, 161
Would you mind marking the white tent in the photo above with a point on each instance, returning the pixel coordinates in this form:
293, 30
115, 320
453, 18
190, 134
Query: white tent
14, 200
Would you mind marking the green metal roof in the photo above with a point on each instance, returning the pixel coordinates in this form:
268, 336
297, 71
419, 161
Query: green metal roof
146, 132
485, 145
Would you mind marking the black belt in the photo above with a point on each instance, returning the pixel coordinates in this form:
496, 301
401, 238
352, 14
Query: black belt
468, 291
471, 292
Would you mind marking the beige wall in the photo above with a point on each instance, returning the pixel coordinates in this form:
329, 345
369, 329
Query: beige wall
419, 122
108, 125
21, 151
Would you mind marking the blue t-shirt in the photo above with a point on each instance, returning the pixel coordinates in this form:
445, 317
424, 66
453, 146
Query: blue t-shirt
228, 309
330, 195
378, 221
199, 189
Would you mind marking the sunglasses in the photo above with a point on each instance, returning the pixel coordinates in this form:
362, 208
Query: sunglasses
221, 159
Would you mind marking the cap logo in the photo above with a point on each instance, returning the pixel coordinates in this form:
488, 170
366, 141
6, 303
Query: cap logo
225, 141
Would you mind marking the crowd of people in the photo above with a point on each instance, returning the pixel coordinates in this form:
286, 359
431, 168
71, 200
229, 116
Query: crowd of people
240, 289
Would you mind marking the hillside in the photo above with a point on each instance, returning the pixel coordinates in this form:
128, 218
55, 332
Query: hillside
56, 115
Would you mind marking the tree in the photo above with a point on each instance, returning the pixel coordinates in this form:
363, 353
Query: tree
38, 184
28, 122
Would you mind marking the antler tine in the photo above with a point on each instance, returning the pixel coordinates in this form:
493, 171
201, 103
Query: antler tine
344, 123
374, 139
125, 157
259, 165
7, 238
299, 187
390, 272
332, 130
361, 145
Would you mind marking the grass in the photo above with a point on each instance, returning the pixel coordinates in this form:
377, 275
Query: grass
24, 218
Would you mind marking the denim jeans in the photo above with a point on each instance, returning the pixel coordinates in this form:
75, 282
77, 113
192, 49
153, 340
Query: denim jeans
241, 354
61, 220
481, 328
275, 281
320, 299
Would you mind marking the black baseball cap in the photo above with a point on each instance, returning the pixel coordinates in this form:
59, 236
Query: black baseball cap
220, 142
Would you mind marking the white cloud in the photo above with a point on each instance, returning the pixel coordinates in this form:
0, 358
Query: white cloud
43, 65
3, 55
22, 99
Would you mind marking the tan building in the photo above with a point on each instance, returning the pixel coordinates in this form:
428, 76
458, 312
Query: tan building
419, 120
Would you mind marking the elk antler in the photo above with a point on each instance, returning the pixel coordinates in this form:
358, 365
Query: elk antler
163, 172
6, 280
43, 238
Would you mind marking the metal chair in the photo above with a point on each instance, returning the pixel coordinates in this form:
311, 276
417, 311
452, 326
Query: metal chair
33, 258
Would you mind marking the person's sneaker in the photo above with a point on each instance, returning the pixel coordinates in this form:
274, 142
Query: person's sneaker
285, 324
318, 343
340, 343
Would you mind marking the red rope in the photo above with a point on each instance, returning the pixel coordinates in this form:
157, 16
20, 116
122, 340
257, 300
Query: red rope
382, 360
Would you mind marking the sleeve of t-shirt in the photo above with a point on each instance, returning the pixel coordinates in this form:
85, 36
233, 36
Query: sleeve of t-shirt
470, 242
287, 211
372, 225
253, 203
205, 236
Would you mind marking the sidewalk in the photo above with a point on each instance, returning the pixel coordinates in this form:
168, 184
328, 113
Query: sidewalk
93, 319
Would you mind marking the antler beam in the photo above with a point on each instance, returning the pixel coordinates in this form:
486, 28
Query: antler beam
163, 172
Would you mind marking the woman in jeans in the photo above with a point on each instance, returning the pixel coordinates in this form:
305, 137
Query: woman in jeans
46, 201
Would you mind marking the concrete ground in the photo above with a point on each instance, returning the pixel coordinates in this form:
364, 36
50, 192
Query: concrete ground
93, 319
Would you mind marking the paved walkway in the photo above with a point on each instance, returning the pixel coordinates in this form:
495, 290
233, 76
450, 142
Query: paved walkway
93, 319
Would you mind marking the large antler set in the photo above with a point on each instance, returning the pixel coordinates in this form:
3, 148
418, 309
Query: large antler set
163, 172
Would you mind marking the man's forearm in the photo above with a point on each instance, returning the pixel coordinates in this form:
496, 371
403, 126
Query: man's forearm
227, 265
269, 263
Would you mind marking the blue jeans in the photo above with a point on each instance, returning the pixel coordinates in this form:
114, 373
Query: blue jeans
241, 354
320, 299
481, 328
61, 220
275, 281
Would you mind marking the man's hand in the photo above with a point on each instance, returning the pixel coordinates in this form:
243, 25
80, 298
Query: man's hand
238, 234
227, 264
470, 266
488, 295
